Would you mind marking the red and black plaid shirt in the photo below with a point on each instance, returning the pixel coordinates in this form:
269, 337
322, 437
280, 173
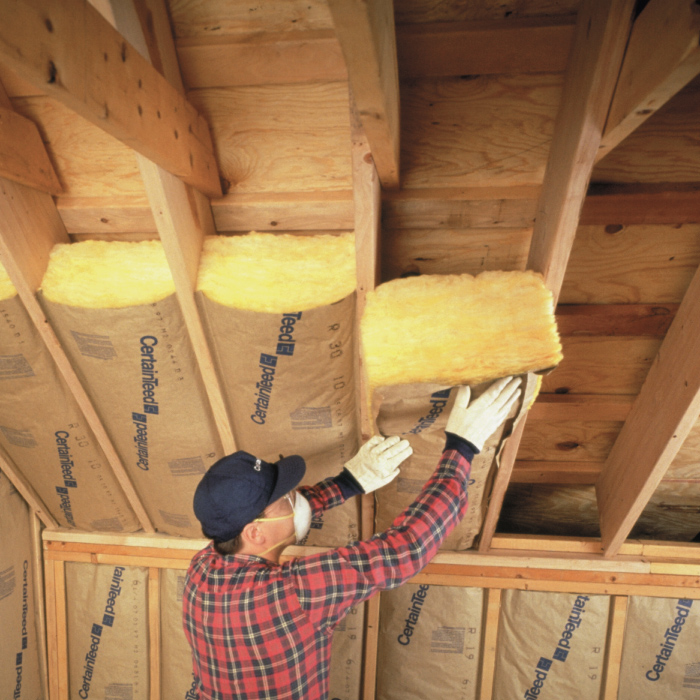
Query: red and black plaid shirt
260, 630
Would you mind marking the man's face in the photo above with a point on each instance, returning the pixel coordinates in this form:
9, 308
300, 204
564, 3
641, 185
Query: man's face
278, 530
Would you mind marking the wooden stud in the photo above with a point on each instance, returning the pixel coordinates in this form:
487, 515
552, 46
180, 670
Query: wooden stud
662, 416
662, 57
39, 601
573, 545
61, 638
23, 157
154, 640
51, 48
599, 41
613, 647
365, 29
490, 642
369, 656
51, 629
541, 472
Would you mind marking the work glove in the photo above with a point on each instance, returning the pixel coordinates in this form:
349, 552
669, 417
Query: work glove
377, 461
478, 421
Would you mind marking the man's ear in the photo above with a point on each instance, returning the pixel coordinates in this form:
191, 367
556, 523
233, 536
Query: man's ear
253, 534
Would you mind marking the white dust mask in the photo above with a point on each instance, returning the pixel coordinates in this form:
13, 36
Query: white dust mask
301, 512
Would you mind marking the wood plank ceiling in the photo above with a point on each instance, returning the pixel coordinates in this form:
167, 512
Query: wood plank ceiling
558, 136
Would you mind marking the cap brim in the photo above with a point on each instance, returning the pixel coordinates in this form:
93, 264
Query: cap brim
290, 472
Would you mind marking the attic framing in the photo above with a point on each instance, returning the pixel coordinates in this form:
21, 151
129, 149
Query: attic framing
609, 91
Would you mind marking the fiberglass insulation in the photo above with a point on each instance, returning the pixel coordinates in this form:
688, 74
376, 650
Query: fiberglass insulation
423, 335
279, 312
113, 307
45, 434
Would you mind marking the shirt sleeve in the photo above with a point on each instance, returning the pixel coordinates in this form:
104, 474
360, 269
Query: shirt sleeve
328, 584
331, 492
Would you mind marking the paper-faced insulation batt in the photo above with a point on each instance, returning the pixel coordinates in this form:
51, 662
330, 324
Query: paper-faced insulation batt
279, 312
44, 432
113, 307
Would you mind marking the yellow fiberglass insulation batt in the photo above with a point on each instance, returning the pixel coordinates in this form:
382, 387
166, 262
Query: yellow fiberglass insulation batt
459, 329
277, 272
107, 275
7, 289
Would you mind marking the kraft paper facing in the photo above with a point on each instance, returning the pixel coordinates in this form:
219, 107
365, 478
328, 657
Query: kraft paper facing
288, 379
138, 367
345, 681
20, 674
44, 432
550, 646
107, 617
419, 413
661, 649
429, 642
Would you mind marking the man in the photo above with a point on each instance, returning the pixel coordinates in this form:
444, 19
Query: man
262, 630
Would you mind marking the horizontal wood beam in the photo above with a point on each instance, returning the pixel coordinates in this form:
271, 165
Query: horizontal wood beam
580, 407
72, 53
663, 414
365, 29
526, 472
662, 57
663, 203
23, 156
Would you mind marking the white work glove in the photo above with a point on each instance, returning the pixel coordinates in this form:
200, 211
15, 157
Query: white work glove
377, 461
476, 423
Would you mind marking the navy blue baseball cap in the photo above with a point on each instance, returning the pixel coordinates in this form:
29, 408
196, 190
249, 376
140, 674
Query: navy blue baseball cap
237, 488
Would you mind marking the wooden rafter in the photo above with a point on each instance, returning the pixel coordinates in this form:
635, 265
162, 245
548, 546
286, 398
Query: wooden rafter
600, 37
71, 52
181, 214
662, 57
663, 414
365, 29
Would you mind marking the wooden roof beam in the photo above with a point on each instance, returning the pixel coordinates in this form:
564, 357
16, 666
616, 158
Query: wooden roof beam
182, 215
23, 157
365, 29
600, 37
69, 51
662, 57
661, 418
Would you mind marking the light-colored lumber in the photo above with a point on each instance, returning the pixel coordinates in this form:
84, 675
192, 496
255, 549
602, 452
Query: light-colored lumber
663, 55
61, 638
613, 647
121, 93
365, 29
678, 550
51, 628
490, 642
550, 472
599, 42
134, 539
369, 657
661, 418
644, 264
182, 216
261, 59
25, 489
154, 639
602, 365
29, 228
581, 407
23, 157
676, 568
524, 45
477, 131
39, 601
572, 441
573, 545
